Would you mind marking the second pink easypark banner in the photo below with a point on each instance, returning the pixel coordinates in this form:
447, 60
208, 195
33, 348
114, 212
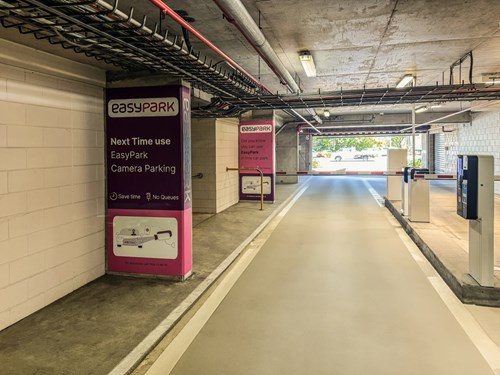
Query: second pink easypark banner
256, 150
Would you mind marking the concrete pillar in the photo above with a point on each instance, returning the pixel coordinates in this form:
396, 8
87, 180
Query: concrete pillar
287, 145
214, 147
203, 161
431, 153
425, 150
149, 216
305, 152
261, 115
287, 154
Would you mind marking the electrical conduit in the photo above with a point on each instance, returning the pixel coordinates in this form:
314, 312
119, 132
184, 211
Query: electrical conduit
236, 13
170, 12
260, 39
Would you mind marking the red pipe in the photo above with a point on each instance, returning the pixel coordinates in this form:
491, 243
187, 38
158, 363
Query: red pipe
165, 9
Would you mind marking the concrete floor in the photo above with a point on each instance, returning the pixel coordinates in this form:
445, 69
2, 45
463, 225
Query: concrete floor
342, 296
94, 328
444, 241
321, 299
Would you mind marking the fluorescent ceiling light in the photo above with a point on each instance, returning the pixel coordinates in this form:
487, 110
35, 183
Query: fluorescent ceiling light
421, 109
436, 105
326, 113
308, 63
405, 81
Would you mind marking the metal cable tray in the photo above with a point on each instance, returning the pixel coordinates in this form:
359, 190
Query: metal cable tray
101, 31
377, 96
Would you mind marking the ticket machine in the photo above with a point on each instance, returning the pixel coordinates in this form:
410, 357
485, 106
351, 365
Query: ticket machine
467, 174
475, 202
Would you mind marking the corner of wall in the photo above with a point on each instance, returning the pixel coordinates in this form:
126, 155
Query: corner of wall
226, 156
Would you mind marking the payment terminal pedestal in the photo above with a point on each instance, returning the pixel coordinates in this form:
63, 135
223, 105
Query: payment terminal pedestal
475, 202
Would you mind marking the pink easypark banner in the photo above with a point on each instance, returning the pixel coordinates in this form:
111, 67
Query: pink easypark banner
256, 150
149, 218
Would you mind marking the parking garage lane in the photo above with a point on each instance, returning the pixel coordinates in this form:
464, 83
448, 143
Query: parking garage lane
333, 291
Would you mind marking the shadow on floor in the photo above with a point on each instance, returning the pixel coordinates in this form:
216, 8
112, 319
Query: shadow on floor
92, 329
444, 242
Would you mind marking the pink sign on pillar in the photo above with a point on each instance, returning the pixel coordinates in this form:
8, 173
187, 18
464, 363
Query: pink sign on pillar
256, 150
149, 219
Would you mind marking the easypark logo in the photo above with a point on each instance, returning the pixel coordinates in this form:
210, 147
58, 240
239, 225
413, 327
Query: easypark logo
150, 107
256, 129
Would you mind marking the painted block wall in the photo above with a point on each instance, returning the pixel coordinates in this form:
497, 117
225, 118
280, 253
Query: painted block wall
214, 144
451, 150
481, 137
226, 156
203, 161
287, 154
305, 152
51, 184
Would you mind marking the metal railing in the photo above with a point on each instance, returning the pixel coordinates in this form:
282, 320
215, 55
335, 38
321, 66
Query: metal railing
261, 182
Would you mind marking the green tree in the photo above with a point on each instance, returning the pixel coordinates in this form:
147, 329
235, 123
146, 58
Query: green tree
323, 143
398, 141
335, 144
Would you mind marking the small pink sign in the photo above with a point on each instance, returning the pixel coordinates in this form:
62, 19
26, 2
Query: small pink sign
257, 145
256, 151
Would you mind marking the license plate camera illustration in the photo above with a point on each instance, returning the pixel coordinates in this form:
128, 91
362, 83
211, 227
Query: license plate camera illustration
145, 237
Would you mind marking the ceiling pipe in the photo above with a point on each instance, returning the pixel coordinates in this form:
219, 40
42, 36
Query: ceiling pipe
482, 105
298, 124
236, 13
307, 122
170, 12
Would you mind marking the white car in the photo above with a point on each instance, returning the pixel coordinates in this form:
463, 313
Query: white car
344, 153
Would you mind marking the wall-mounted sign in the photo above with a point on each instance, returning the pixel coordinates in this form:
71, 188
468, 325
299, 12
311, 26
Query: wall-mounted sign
149, 180
256, 150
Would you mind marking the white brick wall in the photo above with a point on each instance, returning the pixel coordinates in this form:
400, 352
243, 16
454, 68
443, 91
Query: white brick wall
451, 151
214, 147
226, 156
481, 137
51, 184
203, 161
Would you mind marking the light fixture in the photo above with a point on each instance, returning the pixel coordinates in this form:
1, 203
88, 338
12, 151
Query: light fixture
308, 63
421, 109
326, 113
436, 105
405, 81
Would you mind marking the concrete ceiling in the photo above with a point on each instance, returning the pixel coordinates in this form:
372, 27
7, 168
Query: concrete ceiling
370, 43
355, 44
